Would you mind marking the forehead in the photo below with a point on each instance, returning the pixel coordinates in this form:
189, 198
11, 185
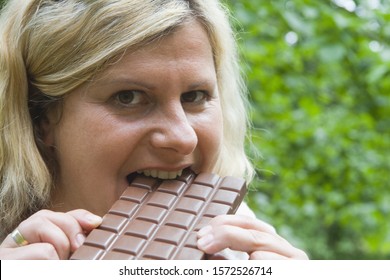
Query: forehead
191, 36
188, 45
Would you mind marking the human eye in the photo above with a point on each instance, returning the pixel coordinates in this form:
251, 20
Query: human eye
128, 98
196, 96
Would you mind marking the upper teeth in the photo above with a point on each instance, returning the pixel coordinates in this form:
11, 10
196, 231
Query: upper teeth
161, 174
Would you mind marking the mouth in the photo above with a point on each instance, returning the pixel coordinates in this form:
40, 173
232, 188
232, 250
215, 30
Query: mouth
160, 174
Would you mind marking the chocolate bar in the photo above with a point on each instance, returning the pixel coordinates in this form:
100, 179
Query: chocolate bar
159, 219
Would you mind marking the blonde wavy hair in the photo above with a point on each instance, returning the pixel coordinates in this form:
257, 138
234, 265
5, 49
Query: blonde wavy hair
48, 48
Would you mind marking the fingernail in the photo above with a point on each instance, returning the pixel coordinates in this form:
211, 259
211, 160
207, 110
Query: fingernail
203, 231
80, 238
205, 241
94, 220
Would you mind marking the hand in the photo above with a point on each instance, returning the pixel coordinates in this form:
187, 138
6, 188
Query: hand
50, 235
246, 234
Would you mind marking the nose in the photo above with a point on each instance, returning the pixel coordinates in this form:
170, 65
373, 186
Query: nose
173, 131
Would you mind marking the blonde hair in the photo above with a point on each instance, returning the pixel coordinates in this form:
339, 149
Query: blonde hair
49, 48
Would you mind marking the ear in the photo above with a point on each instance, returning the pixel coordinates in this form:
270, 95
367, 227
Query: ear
47, 127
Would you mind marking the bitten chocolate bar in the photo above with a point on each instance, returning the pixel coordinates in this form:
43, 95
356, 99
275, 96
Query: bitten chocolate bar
158, 219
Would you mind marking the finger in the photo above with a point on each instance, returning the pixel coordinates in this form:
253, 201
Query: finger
228, 254
54, 240
47, 233
245, 222
86, 219
36, 251
51, 227
264, 255
73, 224
215, 239
65, 231
299, 255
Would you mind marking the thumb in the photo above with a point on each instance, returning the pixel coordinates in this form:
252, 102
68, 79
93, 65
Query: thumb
87, 220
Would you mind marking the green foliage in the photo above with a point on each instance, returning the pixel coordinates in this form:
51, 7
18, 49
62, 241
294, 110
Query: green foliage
318, 75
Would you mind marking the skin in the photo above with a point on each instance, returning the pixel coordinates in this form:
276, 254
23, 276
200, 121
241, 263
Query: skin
150, 110
171, 95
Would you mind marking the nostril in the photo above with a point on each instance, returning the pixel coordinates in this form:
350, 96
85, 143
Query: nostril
181, 138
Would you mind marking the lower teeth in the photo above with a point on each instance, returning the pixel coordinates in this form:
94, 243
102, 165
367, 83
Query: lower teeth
160, 174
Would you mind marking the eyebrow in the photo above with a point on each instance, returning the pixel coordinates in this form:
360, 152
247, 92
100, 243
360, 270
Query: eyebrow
205, 83
129, 81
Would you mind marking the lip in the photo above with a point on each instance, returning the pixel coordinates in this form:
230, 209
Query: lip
167, 169
161, 174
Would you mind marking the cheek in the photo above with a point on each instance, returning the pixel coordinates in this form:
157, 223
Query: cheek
77, 140
91, 141
210, 137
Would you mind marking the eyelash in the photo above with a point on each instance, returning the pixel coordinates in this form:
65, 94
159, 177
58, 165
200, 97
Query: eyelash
142, 97
135, 94
205, 96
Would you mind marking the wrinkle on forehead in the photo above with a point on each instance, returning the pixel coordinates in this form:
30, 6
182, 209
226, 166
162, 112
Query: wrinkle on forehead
186, 49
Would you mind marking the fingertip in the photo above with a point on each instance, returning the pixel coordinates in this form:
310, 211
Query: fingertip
206, 243
94, 220
80, 238
204, 231
86, 219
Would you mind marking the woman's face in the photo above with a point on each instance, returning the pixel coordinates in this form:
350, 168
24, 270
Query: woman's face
156, 111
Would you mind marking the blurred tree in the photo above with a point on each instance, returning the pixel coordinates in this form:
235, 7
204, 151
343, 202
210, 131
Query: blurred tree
318, 76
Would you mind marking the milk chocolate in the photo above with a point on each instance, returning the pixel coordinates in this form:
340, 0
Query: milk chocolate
158, 219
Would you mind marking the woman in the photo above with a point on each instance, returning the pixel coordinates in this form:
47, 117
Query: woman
93, 91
